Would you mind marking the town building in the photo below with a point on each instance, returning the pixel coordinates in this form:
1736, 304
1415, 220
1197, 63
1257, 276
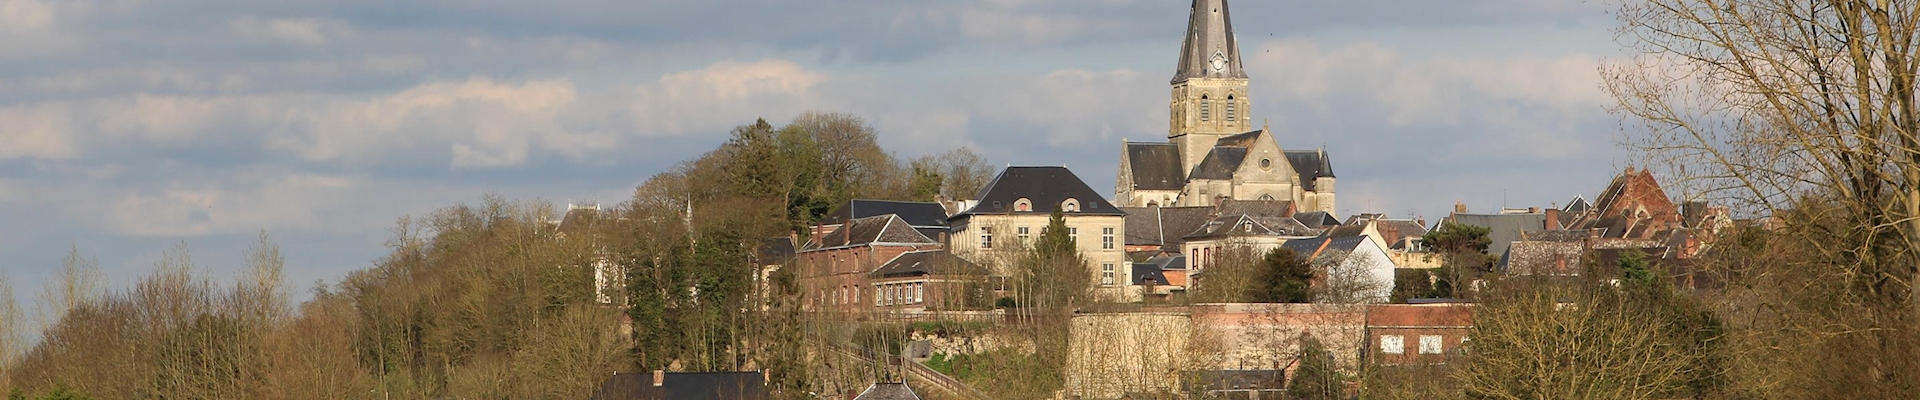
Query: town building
834, 270
1212, 152
1417, 334
1014, 208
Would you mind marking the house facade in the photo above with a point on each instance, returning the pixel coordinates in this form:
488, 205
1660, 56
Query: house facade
834, 271
1018, 204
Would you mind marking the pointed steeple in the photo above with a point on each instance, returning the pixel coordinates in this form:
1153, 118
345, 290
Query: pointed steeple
1209, 44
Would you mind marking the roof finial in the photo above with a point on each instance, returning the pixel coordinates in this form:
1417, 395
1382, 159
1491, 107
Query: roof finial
1264, 123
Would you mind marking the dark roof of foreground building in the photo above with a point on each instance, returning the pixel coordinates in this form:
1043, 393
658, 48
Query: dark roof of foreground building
1310, 164
684, 386
1307, 249
918, 214
1155, 166
927, 262
1164, 226
774, 250
1317, 219
1143, 272
1046, 187
888, 391
1209, 30
862, 231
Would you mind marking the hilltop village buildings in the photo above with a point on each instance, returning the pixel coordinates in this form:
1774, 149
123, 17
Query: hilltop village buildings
1178, 208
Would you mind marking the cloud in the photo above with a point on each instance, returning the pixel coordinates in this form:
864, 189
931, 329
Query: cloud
40, 131
1528, 105
725, 94
20, 16
301, 31
481, 122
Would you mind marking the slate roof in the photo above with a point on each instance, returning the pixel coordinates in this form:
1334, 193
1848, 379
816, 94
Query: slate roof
888, 391
1208, 31
861, 231
684, 386
1155, 166
1396, 231
774, 250
1144, 271
1176, 262
1310, 164
1317, 219
1046, 187
1220, 163
1258, 208
1307, 249
916, 263
1502, 229
1240, 140
918, 214
1249, 225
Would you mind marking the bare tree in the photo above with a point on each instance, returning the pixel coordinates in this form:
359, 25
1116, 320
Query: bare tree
1347, 279
77, 281
10, 326
1775, 104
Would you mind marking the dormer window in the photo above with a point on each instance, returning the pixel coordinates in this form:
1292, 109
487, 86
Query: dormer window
1071, 205
1023, 205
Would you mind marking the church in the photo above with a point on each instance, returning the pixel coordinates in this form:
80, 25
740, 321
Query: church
1212, 152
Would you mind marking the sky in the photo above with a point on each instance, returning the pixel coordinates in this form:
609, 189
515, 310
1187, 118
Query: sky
128, 127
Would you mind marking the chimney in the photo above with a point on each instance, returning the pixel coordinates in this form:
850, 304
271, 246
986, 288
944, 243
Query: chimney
1459, 207
1553, 219
1533, 210
659, 378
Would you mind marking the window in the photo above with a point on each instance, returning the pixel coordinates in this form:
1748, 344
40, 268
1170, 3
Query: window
1106, 238
986, 237
1071, 205
1203, 107
1392, 344
1023, 234
1430, 344
1230, 109
1023, 204
877, 297
1073, 234
919, 293
1106, 274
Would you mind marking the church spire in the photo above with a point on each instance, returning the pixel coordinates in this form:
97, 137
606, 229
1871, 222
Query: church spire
1210, 50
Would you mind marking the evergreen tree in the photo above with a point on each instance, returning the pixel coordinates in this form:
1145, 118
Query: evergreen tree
1056, 274
1285, 278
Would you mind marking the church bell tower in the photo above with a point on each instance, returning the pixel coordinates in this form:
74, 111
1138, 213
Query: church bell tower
1209, 87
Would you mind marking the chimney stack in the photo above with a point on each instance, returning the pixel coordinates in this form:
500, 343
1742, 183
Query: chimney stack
1459, 207
1553, 219
659, 378
1533, 210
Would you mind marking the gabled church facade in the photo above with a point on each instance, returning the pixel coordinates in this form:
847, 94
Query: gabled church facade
1212, 152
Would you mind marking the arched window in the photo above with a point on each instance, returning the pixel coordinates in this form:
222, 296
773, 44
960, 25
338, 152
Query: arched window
1230, 109
1204, 104
1071, 205
1023, 204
